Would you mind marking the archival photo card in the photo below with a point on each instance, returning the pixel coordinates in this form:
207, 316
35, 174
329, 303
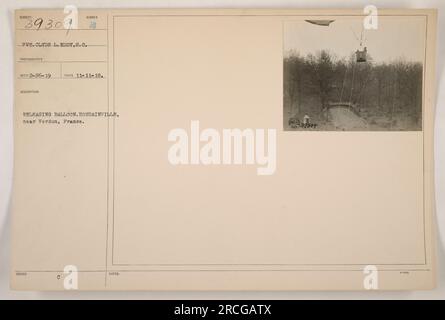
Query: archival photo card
150, 151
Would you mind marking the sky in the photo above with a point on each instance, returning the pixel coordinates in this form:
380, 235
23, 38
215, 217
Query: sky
396, 37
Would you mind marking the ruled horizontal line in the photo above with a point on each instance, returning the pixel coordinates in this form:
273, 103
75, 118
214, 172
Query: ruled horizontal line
69, 30
61, 78
39, 61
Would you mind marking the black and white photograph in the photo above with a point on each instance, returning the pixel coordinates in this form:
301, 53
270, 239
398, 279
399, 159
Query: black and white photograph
341, 76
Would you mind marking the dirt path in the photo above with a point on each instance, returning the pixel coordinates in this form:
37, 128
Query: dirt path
345, 119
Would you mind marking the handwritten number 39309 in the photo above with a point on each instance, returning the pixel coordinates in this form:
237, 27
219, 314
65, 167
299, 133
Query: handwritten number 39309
49, 24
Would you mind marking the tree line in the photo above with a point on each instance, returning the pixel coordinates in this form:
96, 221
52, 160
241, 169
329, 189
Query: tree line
387, 93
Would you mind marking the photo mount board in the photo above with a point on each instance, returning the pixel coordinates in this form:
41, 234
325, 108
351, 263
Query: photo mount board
99, 205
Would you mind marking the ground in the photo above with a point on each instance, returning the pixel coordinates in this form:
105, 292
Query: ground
344, 119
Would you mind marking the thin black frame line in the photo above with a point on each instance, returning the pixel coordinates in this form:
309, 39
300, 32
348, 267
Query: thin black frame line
108, 154
114, 148
265, 264
263, 15
423, 134
225, 270
273, 15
